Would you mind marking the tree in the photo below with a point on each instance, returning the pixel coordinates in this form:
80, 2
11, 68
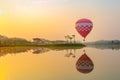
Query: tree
70, 39
36, 40
66, 37
73, 37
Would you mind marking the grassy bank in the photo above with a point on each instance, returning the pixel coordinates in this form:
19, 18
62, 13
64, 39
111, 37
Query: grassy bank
65, 45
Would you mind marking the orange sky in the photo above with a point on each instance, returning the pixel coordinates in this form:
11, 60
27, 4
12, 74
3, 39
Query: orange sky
53, 19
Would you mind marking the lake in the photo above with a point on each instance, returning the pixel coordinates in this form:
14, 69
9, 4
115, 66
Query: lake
33, 63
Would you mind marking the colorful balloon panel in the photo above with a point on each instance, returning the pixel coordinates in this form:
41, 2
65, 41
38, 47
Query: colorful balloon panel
84, 64
84, 26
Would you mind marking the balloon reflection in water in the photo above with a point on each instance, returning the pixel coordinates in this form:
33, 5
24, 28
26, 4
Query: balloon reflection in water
84, 64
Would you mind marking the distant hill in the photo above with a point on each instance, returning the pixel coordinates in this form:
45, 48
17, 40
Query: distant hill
3, 37
5, 41
105, 42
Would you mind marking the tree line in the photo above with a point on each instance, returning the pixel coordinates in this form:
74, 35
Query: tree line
70, 39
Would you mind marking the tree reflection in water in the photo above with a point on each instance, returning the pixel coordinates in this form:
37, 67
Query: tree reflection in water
40, 50
70, 52
35, 50
13, 50
17, 50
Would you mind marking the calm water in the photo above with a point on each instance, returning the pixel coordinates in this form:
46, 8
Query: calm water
59, 64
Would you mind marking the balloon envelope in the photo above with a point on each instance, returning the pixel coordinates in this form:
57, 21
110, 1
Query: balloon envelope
84, 26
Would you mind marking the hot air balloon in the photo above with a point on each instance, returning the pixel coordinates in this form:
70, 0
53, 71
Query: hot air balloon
83, 27
84, 64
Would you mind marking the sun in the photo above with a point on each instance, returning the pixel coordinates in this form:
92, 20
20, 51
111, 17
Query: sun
1, 11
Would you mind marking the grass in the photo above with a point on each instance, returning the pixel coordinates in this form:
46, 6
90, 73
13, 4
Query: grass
63, 45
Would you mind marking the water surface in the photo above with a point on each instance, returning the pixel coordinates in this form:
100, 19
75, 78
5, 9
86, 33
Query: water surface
27, 63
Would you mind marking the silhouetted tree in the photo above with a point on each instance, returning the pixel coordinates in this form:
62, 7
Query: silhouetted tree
73, 38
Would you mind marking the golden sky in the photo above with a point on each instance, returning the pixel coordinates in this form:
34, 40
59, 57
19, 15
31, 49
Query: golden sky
53, 19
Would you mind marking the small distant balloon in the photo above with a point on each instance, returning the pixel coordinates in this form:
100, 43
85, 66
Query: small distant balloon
83, 27
84, 64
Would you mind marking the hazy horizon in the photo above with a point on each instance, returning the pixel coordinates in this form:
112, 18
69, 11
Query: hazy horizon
53, 19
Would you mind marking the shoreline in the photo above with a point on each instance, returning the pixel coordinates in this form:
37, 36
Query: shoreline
64, 45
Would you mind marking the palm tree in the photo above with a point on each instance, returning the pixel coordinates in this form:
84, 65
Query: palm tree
66, 37
70, 39
73, 37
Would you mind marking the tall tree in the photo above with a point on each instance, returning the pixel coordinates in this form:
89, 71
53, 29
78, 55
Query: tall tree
73, 38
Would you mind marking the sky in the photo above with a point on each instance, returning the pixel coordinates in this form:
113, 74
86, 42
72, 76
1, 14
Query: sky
54, 19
